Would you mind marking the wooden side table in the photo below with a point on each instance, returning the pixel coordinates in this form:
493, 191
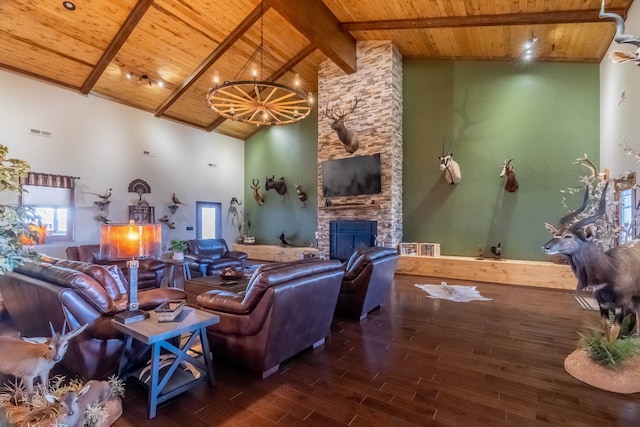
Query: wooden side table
175, 273
158, 334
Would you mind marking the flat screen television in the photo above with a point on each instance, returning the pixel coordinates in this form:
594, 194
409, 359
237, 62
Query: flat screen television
351, 176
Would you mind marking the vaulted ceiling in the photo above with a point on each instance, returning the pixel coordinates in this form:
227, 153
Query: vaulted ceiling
170, 48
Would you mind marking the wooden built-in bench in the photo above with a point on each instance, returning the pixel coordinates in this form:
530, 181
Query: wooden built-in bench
509, 271
274, 252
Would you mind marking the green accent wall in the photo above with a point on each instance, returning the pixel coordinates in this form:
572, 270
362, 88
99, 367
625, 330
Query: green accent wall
544, 115
290, 151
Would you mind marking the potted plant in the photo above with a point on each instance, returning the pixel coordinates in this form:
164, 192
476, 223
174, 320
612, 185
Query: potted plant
178, 247
15, 221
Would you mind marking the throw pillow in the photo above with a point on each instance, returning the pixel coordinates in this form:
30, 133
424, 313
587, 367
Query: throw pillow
115, 273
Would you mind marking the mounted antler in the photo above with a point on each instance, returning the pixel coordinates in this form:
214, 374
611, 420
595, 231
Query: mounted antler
584, 161
347, 137
621, 38
601, 210
568, 217
257, 195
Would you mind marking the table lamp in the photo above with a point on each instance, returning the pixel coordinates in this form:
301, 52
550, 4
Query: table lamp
131, 241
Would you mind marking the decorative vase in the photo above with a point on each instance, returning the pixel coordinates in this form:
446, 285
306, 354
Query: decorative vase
178, 256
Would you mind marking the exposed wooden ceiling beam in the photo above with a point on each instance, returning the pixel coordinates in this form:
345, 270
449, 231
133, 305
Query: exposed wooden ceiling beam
556, 17
316, 22
235, 35
275, 76
121, 37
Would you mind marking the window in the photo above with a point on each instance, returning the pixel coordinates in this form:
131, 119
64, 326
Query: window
52, 196
208, 220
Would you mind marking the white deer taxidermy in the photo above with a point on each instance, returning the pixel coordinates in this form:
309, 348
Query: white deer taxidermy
348, 137
450, 167
621, 37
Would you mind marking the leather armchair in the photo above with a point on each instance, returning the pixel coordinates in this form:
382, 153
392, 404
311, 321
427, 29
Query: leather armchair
286, 308
78, 293
208, 256
367, 281
149, 272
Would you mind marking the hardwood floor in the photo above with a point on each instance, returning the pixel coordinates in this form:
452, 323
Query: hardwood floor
417, 361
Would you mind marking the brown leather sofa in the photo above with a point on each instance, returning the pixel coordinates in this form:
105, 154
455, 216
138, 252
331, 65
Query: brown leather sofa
208, 256
367, 281
79, 293
286, 308
150, 270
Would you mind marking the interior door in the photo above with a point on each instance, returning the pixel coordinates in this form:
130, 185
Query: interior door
208, 220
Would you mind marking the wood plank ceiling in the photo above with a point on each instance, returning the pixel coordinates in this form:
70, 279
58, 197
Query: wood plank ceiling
160, 55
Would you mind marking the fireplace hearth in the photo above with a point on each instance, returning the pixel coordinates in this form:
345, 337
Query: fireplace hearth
346, 237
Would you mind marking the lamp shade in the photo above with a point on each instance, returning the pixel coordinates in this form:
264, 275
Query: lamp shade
122, 241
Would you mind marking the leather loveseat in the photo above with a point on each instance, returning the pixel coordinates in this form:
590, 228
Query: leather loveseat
150, 270
286, 308
78, 293
208, 256
367, 281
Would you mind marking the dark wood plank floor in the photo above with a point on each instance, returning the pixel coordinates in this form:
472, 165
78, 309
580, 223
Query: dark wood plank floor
417, 361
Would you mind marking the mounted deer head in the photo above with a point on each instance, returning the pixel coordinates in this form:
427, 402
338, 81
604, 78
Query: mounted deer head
450, 167
621, 37
257, 195
348, 138
511, 183
277, 184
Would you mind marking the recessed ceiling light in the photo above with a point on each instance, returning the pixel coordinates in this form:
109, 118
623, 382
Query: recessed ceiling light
69, 5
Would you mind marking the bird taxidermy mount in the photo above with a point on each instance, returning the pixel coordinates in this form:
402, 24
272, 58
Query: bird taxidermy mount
497, 250
140, 187
283, 240
103, 218
104, 199
165, 220
175, 203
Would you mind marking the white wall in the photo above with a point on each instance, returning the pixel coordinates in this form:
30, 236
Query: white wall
102, 142
619, 117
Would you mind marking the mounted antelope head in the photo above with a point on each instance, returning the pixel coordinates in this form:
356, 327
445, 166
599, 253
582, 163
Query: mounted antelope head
302, 196
257, 195
621, 37
450, 167
277, 184
508, 171
348, 138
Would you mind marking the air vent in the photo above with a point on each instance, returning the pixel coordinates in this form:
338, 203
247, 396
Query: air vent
39, 132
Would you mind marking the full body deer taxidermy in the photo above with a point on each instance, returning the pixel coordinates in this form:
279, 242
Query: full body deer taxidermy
277, 184
257, 195
72, 406
348, 138
302, 196
613, 276
29, 360
450, 167
511, 183
621, 37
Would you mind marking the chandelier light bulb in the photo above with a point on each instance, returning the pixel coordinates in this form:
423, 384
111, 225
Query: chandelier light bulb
254, 70
128, 75
310, 97
297, 80
216, 77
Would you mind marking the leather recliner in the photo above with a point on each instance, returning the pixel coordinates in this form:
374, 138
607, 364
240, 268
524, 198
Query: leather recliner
150, 270
78, 293
208, 256
286, 308
367, 281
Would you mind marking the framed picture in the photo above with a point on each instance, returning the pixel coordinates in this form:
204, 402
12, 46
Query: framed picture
142, 214
408, 248
429, 249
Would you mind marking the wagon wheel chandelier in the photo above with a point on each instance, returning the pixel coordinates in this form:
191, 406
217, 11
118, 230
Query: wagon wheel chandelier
256, 101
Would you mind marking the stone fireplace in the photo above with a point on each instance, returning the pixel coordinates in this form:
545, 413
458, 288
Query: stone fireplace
377, 122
